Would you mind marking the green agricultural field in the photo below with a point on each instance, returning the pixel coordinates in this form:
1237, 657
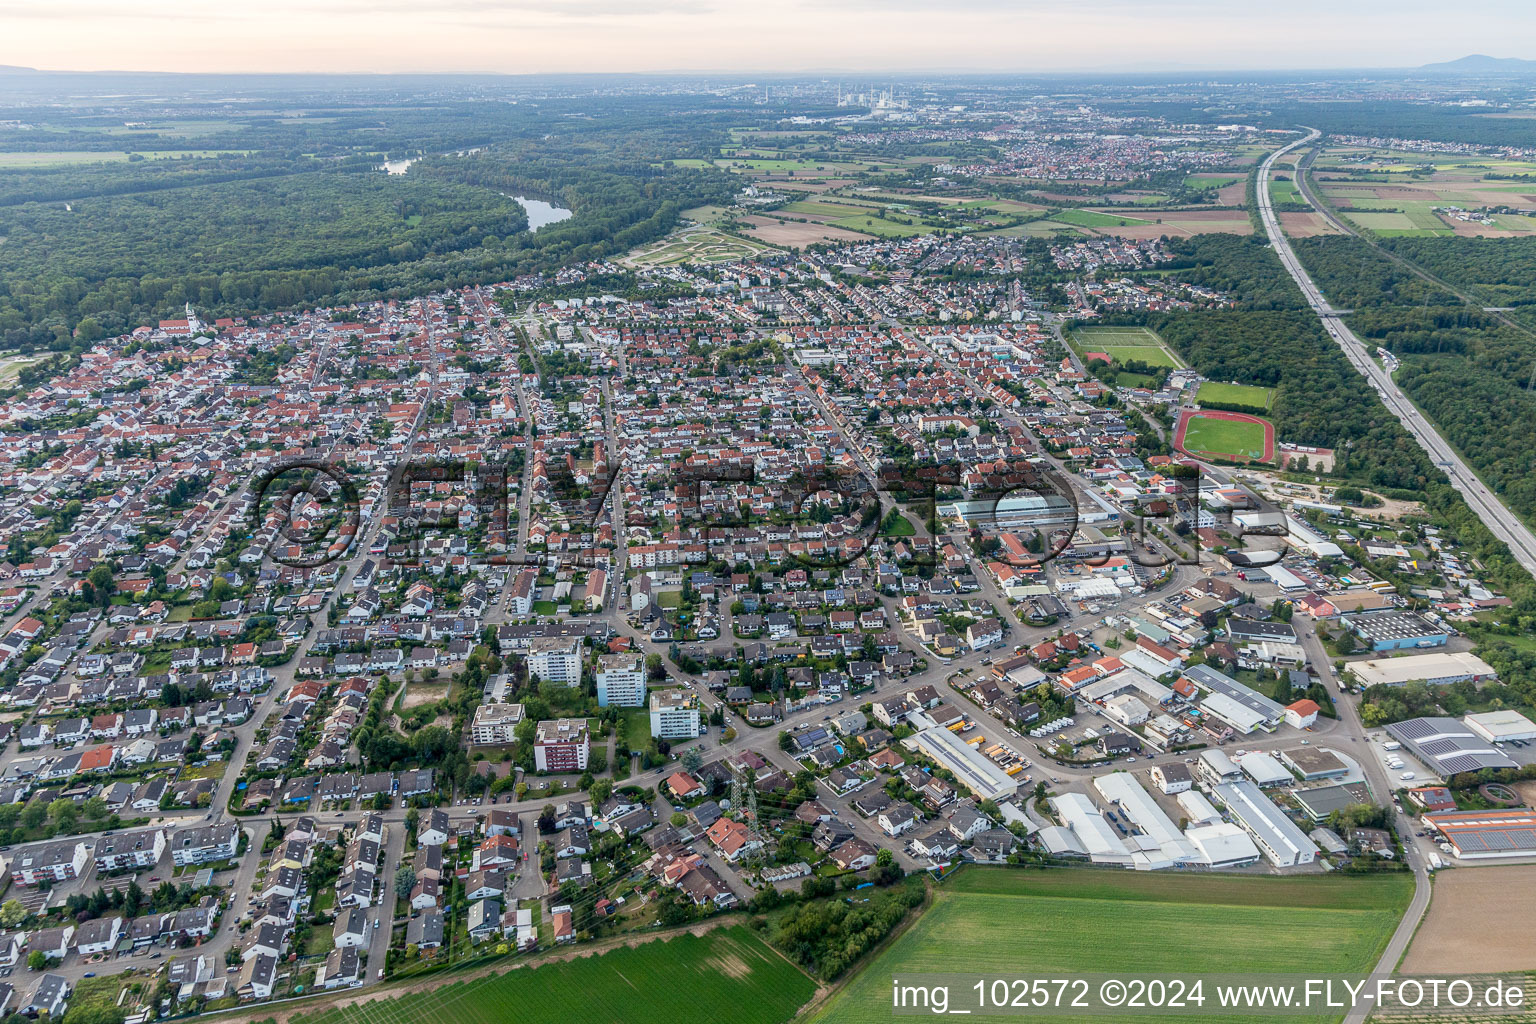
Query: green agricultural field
686, 980
1285, 191
1093, 219
828, 210
873, 225
1017, 924
1235, 394
1225, 437
1210, 180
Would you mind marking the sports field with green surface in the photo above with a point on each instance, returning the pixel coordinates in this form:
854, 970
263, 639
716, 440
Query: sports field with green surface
727, 974
1235, 394
1224, 437
1020, 924
1125, 343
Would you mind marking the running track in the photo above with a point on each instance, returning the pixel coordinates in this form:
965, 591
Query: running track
1236, 417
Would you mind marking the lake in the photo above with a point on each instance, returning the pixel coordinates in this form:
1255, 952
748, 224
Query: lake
540, 213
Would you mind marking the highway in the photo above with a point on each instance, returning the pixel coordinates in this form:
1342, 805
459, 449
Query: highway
1501, 522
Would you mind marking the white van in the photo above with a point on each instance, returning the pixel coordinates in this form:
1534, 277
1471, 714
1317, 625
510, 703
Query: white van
1406, 776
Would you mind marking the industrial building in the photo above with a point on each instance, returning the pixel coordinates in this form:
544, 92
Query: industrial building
1446, 747
1394, 629
1247, 631
1438, 668
985, 780
1197, 808
1314, 763
1085, 834
1281, 842
1223, 845
1487, 835
1257, 711
1318, 803
1501, 726
1264, 770
1157, 842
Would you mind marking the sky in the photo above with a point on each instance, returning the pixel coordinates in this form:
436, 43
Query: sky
747, 36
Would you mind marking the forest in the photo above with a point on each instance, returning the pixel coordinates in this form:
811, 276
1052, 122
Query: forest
1353, 274
1321, 400
1242, 266
109, 262
1467, 370
1498, 271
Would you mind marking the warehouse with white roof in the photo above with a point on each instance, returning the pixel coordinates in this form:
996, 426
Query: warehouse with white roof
1197, 808
1501, 726
1137, 806
1240, 717
1265, 770
1223, 845
1089, 829
1276, 836
1438, 668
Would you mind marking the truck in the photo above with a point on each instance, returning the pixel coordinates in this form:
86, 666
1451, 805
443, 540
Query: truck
1435, 863
1394, 745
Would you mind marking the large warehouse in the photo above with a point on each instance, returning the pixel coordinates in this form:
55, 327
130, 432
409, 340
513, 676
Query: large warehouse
1485, 835
1262, 712
1438, 668
1446, 747
1501, 726
1277, 836
985, 780
1396, 629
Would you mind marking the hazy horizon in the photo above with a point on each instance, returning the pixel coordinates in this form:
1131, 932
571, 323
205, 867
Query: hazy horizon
732, 36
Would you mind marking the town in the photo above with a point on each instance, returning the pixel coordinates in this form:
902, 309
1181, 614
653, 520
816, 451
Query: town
682, 645
617, 549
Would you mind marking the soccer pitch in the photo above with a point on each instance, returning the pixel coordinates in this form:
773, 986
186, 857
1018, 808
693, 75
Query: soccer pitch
1125, 343
1233, 438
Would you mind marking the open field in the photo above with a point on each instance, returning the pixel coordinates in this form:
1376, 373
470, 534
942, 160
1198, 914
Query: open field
1149, 223
777, 232
422, 692
1094, 219
1236, 394
686, 980
1283, 190
1013, 923
1124, 343
61, 158
1479, 920
1227, 435
1306, 225
1210, 180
